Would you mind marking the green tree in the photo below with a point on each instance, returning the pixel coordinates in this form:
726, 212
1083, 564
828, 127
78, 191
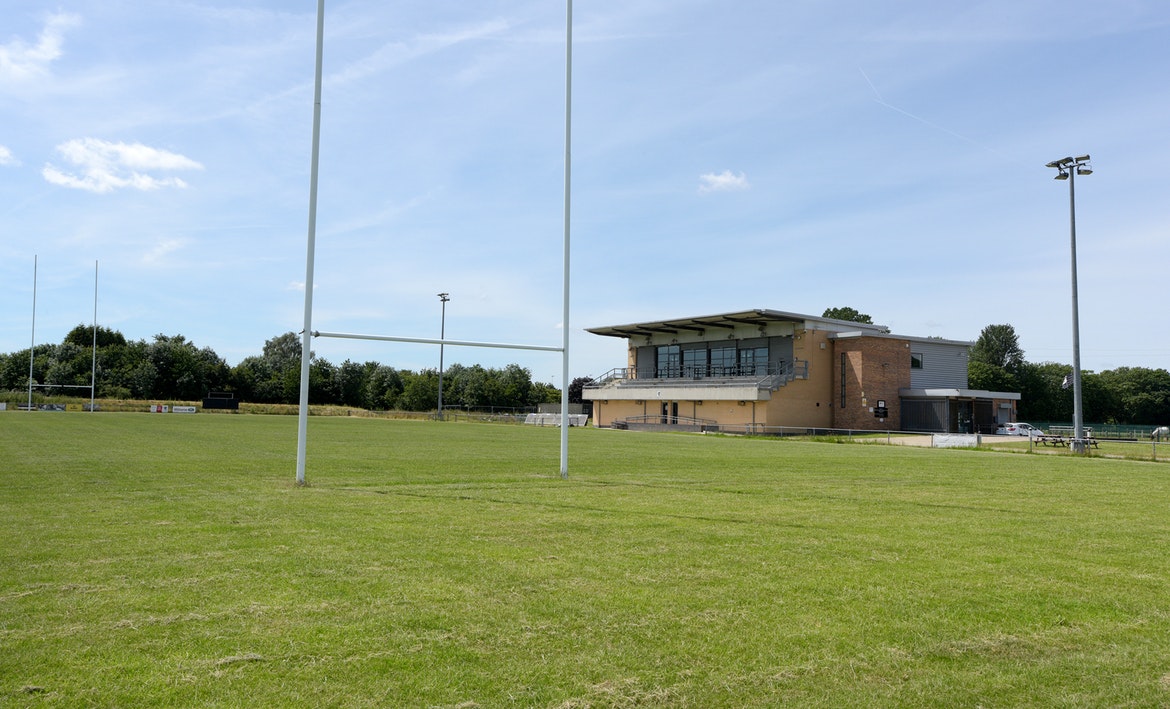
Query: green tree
183, 371
83, 336
516, 386
351, 383
543, 393
996, 362
577, 387
1041, 396
981, 375
383, 388
283, 352
120, 370
1139, 395
420, 392
999, 346
275, 376
322, 383
848, 314
248, 379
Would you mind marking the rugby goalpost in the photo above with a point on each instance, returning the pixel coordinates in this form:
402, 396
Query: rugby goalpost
32, 348
307, 333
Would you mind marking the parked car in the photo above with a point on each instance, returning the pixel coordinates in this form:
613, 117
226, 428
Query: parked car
1018, 429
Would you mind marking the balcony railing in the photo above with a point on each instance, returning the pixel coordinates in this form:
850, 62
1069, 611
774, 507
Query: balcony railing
773, 377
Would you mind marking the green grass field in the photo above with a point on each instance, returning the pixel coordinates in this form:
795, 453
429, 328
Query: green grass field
172, 561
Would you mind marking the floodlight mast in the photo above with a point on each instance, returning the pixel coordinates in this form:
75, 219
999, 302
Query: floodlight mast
1068, 168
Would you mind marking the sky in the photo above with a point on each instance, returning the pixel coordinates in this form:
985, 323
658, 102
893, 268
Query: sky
888, 157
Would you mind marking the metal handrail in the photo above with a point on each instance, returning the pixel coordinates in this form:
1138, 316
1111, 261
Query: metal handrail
671, 420
780, 374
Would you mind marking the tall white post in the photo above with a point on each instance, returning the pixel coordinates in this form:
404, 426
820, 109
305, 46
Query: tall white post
568, 203
307, 333
93, 367
443, 298
33, 340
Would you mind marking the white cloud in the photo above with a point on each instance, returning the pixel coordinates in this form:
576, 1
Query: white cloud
21, 61
161, 250
104, 166
394, 53
6, 156
725, 181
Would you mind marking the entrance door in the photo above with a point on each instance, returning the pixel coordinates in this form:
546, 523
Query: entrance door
669, 412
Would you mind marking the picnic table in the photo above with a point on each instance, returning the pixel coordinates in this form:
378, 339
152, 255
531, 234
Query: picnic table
1054, 440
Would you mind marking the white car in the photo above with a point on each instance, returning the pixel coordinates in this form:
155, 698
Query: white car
1018, 429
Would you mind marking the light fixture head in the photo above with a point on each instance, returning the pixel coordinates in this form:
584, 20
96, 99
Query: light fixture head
1083, 158
1062, 175
1084, 170
1054, 163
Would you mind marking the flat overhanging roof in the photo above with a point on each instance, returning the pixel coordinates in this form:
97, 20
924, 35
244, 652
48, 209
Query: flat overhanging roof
758, 318
958, 394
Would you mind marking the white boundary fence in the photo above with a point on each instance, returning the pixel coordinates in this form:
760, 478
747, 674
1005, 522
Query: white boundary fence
555, 419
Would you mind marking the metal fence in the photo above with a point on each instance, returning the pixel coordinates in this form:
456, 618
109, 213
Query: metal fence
1127, 431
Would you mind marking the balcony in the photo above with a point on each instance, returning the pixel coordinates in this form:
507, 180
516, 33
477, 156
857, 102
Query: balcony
755, 377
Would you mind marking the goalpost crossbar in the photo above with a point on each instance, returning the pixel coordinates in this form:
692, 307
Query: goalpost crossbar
429, 341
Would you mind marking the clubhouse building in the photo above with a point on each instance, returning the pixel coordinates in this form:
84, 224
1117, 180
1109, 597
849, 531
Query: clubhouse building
760, 370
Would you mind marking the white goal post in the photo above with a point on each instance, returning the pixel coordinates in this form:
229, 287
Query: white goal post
307, 332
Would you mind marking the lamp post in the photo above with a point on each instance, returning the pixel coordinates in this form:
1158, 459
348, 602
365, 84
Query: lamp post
443, 298
1068, 169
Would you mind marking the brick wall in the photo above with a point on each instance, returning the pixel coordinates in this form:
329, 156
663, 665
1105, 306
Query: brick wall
875, 368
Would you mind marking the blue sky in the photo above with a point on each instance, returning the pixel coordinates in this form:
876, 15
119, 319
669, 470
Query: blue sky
795, 156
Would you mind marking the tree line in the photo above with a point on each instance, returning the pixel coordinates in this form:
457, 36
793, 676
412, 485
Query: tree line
1126, 395
172, 368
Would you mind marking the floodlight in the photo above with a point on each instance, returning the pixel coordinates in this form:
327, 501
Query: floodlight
1065, 167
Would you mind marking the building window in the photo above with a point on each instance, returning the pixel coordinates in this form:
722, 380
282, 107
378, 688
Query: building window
842, 380
723, 361
669, 361
915, 360
753, 361
694, 363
